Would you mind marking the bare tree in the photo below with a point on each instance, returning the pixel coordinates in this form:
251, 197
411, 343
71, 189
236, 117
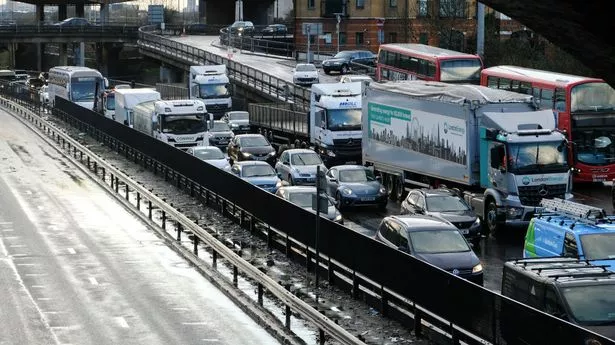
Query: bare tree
441, 21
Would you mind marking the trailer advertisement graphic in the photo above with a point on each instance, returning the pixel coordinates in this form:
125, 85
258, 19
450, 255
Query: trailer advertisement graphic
439, 136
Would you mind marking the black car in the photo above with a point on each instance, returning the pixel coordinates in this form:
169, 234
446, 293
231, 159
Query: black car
343, 61
240, 27
74, 22
275, 29
433, 240
250, 147
446, 204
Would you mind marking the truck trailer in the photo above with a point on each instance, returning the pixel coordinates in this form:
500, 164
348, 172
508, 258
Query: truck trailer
210, 84
180, 123
502, 153
127, 99
332, 124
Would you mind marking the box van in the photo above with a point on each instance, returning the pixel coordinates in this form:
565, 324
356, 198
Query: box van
570, 289
570, 229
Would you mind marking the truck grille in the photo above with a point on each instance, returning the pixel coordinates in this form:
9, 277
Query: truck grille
306, 79
463, 225
347, 147
531, 195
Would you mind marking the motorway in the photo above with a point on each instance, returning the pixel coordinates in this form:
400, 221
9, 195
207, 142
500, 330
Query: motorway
77, 268
493, 253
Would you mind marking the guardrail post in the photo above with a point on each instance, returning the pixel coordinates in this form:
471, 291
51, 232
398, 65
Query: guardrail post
269, 236
454, 335
308, 258
149, 209
242, 216
355, 285
81, 156
196, 245
138, 201
321, 336
112, 182
126, 189
330, 271
192, 189
260, 294
223, 207
104, 174
287, 246
207, 197
288, 312
214, 258
235, 274
252, 224
88, 161
418, 323
383, 301
178, 227
117, 184
164, 220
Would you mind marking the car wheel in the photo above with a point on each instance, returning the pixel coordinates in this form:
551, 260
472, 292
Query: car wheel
344, 69
290, 180
327, 72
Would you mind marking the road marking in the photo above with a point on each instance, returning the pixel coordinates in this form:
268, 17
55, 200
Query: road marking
37, 286
17, 245
11, 237
40, 208
71, 251
197, 323
53, 312
26, 264
180, 309
8, 230
36, 274
210, 340
6, 223
19, 254
93, 281
121, 322
44, 299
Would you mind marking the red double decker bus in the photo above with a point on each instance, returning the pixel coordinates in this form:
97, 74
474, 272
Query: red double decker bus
584, 109
409, 61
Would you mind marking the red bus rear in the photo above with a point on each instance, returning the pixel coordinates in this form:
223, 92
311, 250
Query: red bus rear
584, 108
410, 61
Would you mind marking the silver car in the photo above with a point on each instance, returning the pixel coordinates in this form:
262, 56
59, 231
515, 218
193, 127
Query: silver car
220, 134
239, 121
302, 197
298, 166
211, 155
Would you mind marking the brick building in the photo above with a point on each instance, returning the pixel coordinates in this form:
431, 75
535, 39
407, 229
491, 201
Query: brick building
365, 24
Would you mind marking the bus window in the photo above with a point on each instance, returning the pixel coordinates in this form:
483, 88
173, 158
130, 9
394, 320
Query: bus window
431, 69
525, 88
404, 62
382, 57
504, 84
492, 82
515, 85
414, 65
536, 94
560, 100
393, 59
546, 99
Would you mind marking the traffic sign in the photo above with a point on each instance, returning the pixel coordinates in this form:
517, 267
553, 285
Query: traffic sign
309, 29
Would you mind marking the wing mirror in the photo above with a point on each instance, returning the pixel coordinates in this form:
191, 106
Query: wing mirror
333, 180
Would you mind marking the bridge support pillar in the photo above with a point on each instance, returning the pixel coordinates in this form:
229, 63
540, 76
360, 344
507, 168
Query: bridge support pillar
202, 11
62, 58
170, 75
80, 10
104, 13
40, 51
40, 14
79, 51
62, 12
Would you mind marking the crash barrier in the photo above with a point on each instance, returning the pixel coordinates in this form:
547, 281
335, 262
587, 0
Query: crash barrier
111, 31
159, 210
254, 42
418, 294
150, 42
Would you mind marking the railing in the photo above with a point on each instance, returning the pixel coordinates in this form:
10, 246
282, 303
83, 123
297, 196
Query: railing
279, 118
30, 31
399, 285
269, 85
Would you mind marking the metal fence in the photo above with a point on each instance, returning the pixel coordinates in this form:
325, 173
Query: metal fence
279, 117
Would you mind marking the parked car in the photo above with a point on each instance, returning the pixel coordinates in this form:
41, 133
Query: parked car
353, 78
242, 27
220, 135
212, 155
447, 204
247, 147
355, 185
302, 197
305, 74
260, 174
433, 240
239, 121
342, 61
298, 166
74, 21
275, 29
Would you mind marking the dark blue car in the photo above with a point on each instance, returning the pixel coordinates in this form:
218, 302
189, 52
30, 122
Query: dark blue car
355, 185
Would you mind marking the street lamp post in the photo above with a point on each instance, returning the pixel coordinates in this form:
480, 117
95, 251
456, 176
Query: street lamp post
338, 16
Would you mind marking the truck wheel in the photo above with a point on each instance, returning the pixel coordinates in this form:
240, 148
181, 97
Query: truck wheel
491, 218
390, 186
399, 188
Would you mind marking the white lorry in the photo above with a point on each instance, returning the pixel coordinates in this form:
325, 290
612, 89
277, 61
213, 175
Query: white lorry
494, 145
210, 84
332, 125
180, 123
127, 99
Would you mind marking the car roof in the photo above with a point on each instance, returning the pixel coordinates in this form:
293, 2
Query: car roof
293, 151
206, 148
436, 191
348, 167
249, 135
305, 64
562, 270
421, 222
294, 189
245, 163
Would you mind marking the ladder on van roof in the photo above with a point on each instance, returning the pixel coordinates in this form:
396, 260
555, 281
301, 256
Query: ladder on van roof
576, 211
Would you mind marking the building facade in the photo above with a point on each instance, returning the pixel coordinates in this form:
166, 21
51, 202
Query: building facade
365, 24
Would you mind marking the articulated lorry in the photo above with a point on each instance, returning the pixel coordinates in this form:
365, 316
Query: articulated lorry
332, 125
494, 145
127, 99
180, 123
210, 84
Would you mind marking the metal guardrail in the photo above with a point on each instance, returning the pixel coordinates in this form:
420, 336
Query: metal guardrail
278, 118
268, 84
113, 178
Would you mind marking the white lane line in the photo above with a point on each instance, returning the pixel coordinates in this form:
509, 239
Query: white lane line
197, 323
54, 312
37, 286
44, 299
93, 281
71, 251
17, 246
35, 274
26, 264
134, 261
12, 237
180, 309
6, 223
210, 340
20, 254
8, 230
121, 322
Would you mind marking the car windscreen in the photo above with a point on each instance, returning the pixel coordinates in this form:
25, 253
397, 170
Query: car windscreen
257, 171
591, 304
221, 127
303, 199
357, 175
209, 154
342, 55
305, 68
445, 203
238, 116
598, 246
253, 142
306, 158
438, 241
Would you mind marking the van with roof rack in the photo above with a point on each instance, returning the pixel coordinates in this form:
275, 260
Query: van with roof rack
569, 229
570, 289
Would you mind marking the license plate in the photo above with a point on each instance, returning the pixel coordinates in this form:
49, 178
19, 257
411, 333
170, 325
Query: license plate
599, 178
223, 142
368, 199
465, 231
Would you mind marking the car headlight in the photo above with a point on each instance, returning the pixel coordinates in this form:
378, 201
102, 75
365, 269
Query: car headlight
383, 190
227, 167
476, 223
477, 268
246, 154
272, 153
234, 125
278, 184
330, 153
338, 218
514, 212
347, 191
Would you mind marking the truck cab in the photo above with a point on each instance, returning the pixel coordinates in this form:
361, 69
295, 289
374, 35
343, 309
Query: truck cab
211, 84
567, 288
335, 122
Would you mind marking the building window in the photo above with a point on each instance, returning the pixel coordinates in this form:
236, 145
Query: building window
311, 3
423, 8
392, 37
360, 4
342, 38
453, 8
327, 37
423, 38
313, 39
392, 3
359, 38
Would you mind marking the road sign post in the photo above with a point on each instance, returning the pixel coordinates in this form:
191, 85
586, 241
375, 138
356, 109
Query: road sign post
308, 29
319, 202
